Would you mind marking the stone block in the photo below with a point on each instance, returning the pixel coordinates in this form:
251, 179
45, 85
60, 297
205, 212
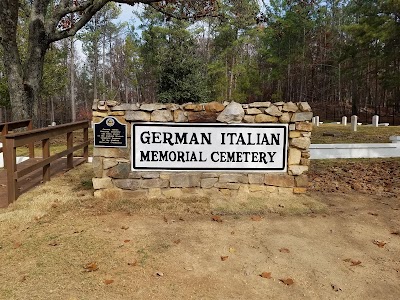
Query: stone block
109, 194
294, 156
301, 181
117, 113
125, 107
256, 178
253, 111
202, 117
214, 107
279, 180
306, 134
239, 178
161, 116
100, 114
172, 193
273, 110
155, 193
290, 107
294, 134
305, 154
285, 118
301, 116
135, 175
299, 190
150, 175
127, 184
164, 175
102, 183
304, 106
184, 180
304, 126
209, 175
154, 183
193, 107
137, 116
111, 103
227, 185
111, 152
152, 106
173, 106
257, 188
249, 119
97, 164
292, 127
301, 142
279, 103
304, 162
233, 113
285, 191
109, 163
207, 183
120, 171
180, 116
271, 189
262, 118
297, 170
260, 104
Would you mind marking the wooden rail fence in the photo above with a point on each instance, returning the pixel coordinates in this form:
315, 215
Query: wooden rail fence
5, 128
14, 140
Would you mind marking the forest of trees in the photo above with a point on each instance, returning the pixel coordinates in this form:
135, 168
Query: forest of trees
343, 57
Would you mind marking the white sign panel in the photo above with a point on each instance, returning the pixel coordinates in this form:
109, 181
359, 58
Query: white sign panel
212, 147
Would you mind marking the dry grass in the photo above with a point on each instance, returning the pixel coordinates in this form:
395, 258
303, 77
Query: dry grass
343, 134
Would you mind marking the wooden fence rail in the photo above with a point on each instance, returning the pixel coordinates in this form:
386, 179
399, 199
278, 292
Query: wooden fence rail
5, 128
12, 141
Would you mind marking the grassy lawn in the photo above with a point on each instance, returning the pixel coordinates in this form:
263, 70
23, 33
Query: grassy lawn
343, 134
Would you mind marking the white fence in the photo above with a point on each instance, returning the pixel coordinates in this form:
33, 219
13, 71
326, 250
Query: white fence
331, 151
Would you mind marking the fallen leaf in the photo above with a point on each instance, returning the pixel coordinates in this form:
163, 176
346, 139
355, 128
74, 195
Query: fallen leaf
124, 227
373, 214
23, 278
266, 275
91, 267
284, 250
181, 219
223, 258
380, 244
395, 232
159, 274
133, 263
108, 281
335, 287
216, 219
17, 245
177, 241
256, 218
53, 243
347, 259
232, 232
165, 219
355, 262
127, 241
287, 281
232, 250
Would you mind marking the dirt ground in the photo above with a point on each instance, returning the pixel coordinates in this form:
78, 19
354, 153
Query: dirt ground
340, 241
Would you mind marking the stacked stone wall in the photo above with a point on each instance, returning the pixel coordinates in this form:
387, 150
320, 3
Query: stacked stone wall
112, 168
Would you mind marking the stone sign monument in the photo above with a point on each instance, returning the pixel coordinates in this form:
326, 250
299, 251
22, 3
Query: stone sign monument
213, 149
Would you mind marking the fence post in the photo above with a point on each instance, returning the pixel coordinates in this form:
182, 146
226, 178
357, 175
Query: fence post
85, 139
70, 144
11, 163
4, 131
46, 154
31, 145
